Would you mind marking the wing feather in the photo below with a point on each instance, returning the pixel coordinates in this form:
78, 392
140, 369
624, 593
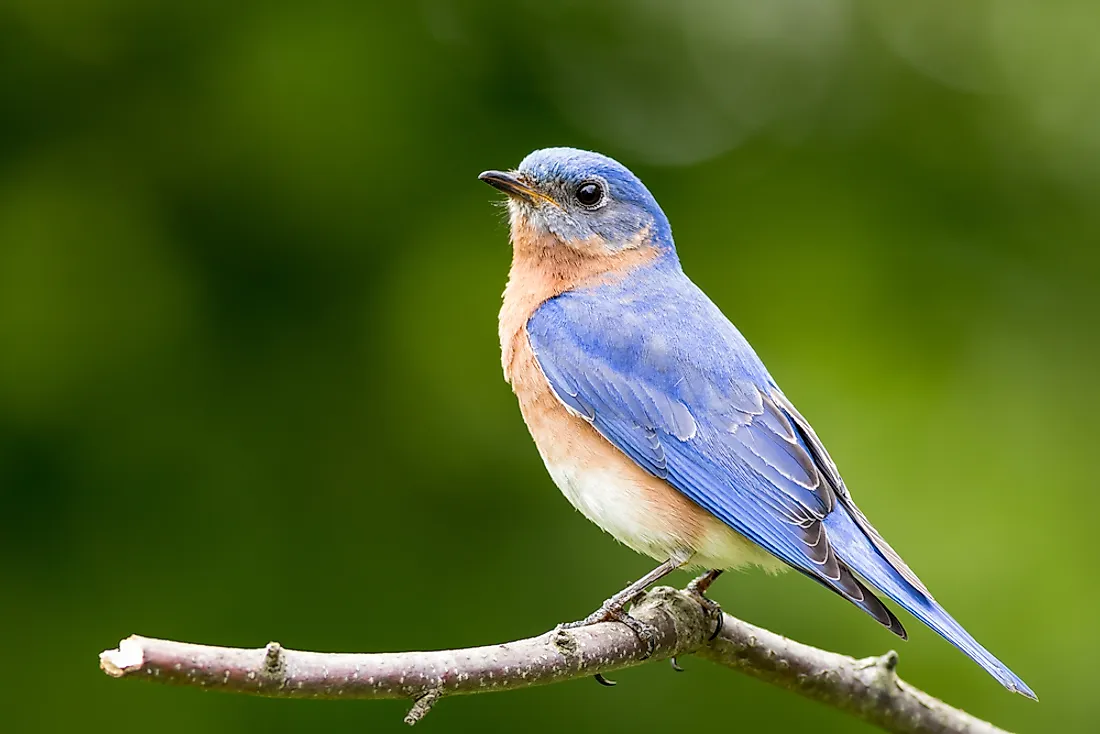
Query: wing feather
721, 440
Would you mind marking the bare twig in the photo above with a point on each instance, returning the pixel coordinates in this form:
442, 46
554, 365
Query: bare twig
868, 689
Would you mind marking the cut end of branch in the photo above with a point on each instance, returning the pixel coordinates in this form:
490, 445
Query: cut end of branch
868, 688
127, 658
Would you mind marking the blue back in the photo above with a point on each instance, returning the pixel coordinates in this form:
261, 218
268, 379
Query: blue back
661, 373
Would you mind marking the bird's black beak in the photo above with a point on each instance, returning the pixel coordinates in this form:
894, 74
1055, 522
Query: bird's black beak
510, 184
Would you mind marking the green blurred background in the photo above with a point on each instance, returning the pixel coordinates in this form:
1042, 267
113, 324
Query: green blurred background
249, 377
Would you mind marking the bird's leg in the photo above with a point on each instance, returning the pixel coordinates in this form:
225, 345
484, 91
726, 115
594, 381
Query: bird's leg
612, 610
698, 588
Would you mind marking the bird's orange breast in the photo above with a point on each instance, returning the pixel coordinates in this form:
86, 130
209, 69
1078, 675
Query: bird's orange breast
640, 510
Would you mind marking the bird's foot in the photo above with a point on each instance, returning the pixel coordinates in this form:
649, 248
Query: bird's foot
612, 611
698, 588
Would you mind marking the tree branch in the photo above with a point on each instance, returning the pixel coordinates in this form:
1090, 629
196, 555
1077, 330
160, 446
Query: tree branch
868, 688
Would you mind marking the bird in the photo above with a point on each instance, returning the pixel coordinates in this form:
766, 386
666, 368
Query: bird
655, 417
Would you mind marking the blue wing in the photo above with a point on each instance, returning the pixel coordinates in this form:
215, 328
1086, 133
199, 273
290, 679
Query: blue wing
660, 372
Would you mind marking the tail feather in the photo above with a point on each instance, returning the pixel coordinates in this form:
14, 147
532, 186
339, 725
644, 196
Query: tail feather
857, 592
854, 548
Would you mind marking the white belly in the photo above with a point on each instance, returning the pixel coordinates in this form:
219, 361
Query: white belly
639, 510
621, 499
613, 502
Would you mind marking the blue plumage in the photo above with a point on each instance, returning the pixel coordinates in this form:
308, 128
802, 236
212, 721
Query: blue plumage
674, 360
656, 368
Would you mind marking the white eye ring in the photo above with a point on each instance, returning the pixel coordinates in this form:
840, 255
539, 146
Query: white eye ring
591, 194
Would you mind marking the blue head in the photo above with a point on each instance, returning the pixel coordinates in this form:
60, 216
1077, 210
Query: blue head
586, 200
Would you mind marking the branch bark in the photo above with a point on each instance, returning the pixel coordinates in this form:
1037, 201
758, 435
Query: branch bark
868, 689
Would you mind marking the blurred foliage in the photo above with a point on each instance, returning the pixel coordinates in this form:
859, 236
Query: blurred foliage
249, 379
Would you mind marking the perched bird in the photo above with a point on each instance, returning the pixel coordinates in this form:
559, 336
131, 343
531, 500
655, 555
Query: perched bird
655, 417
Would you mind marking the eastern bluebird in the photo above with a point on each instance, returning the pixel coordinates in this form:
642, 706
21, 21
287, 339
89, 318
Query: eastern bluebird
655, 417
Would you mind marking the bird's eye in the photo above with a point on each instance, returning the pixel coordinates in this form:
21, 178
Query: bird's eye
590, 193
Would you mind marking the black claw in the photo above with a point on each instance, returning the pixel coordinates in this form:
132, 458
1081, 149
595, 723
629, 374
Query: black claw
675, 665
698, 588
717, 626
604, 681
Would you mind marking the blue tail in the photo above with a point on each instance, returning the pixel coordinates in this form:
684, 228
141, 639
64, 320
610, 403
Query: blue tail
857, 551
